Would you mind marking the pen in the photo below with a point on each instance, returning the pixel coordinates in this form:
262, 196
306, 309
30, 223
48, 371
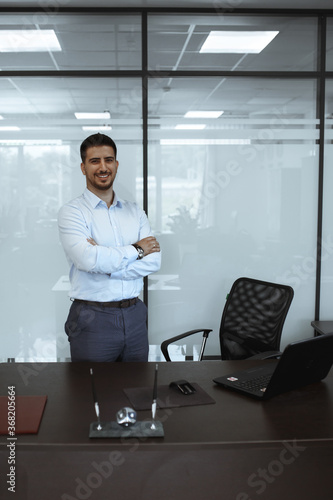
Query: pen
154, 404
99, 427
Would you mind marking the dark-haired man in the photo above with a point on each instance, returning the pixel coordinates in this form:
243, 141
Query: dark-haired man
110, 248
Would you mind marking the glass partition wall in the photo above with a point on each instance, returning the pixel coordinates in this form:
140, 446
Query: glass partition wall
222, 137
235, 198
326, 292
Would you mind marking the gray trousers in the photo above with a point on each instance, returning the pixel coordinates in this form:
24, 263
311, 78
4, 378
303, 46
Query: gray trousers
100, 333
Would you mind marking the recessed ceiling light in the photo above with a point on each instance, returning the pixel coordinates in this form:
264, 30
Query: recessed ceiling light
96, 127
203, 114
237, 42
190, 126
9, 129
93, 116
32, 142
203, 142
29, 41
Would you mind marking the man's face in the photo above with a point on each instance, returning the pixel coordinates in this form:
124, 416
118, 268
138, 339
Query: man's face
100, 168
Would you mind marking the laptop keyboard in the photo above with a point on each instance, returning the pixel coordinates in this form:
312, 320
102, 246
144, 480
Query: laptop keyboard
255, 384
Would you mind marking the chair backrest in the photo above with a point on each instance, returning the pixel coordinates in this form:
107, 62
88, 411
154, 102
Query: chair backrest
253, 318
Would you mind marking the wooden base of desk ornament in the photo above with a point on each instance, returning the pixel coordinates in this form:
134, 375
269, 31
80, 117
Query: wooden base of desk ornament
145, 429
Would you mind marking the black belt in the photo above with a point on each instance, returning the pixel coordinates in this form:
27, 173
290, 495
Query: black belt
122, 304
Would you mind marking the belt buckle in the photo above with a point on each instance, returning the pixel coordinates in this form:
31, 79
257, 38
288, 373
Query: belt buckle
124, 303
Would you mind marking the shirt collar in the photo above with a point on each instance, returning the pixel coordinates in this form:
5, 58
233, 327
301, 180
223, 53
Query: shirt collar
95, 200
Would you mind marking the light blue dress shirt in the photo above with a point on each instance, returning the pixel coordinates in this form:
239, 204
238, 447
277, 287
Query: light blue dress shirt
108, 271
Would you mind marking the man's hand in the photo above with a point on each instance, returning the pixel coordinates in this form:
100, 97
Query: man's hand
149, 245
91, 241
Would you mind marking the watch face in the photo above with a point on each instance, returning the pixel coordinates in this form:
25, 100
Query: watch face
140, 251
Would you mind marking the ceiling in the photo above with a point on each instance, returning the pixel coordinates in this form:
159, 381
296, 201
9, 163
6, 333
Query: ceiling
227, 4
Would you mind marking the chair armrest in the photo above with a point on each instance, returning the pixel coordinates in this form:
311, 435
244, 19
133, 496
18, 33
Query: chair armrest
165, 344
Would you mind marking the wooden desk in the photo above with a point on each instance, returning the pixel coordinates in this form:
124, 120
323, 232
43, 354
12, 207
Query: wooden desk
235, 449
322, 327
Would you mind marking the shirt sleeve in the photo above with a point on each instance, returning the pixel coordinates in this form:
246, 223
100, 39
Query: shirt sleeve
140, 268
74, 232
147, 265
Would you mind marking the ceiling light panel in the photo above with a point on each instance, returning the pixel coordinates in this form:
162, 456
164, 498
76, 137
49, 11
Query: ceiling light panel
203, 142
203, 114
96, 128
93, 116
29, 41
237, 42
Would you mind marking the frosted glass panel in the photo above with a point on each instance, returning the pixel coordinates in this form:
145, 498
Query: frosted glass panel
238, 197
326, 299
39, 172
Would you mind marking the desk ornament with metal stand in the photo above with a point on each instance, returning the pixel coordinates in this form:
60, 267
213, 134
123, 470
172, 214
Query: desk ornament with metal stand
126, 426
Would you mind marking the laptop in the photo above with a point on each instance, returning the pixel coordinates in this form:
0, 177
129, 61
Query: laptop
301, 363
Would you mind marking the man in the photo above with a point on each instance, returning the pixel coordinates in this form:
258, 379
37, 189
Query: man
110, 248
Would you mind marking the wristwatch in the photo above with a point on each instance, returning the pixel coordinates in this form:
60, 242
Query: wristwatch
139, 250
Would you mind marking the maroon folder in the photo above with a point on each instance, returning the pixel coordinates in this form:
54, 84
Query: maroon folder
28, 414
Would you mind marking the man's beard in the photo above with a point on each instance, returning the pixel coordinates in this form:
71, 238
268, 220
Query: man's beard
103, 186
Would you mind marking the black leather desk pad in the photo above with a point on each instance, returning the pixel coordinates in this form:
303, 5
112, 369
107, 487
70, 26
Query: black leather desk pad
167, 397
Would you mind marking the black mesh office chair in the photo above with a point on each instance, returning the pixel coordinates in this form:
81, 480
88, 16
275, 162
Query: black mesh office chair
252, 321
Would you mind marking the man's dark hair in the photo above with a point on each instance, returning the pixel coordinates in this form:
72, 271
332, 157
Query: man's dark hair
96, 140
